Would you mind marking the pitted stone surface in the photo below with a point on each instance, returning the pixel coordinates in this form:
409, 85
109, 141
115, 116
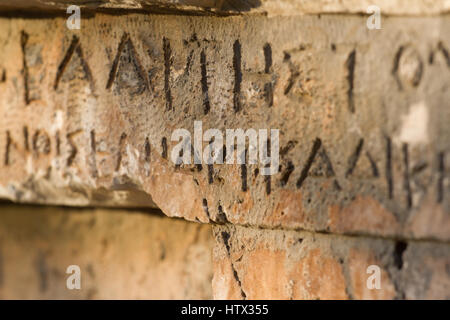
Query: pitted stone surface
278, 264
87, 117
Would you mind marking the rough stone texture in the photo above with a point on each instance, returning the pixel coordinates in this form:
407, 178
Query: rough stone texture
277, 264
86, 118
122, 254
226, 7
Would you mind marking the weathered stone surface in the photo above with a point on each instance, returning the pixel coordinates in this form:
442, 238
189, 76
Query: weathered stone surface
86, 117
277, 264
266, 7
122, 254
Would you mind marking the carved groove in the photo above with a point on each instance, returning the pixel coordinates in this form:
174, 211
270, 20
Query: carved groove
287, 173
309, 162
23, 42
168, 61
164, 147
123, 137
115, 65
350, 64
406, 183
74, 150
237, 76
204, 82
389, 176
354, 158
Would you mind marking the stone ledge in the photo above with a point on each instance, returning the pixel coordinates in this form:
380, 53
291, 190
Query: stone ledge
86, 118
272, 264
231, 7
122, 254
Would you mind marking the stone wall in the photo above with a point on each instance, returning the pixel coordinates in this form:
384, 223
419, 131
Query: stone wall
278, 264
121, 254
87, 117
